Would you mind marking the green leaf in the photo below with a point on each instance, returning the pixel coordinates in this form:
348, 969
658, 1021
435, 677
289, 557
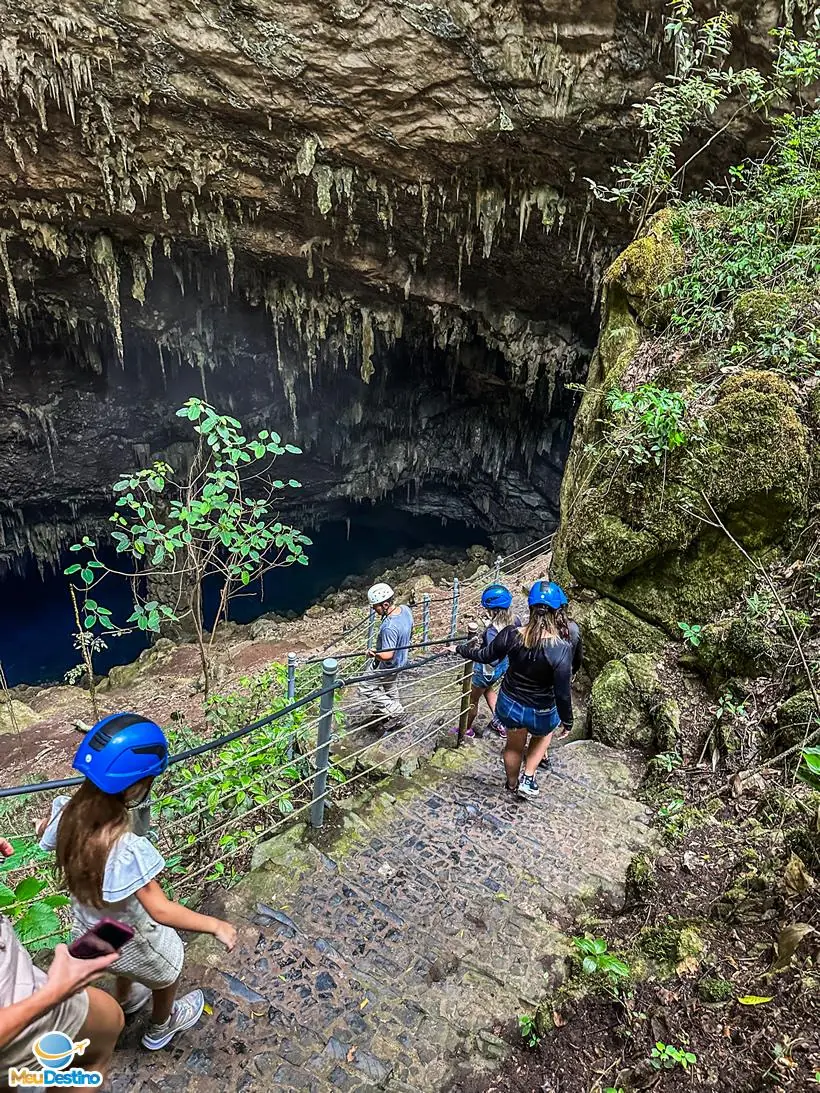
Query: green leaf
590, 965
89, 622
38, 926
57, 900
72, 569
7, 896
752, 1000
28, 888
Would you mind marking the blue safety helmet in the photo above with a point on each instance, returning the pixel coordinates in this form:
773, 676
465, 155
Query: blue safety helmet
547, 593
120, 751
496, 597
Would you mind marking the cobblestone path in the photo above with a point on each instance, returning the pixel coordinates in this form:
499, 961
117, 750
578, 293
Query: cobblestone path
387, 950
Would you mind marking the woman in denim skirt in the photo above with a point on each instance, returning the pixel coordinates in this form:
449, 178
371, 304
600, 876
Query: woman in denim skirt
496, 599
536, 690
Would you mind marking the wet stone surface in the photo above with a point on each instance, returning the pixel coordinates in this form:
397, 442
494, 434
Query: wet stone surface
388, 954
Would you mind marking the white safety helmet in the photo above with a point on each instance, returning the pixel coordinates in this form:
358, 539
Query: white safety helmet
379, 593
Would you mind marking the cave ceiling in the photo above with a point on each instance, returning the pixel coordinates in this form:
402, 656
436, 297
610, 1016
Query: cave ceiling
370, 218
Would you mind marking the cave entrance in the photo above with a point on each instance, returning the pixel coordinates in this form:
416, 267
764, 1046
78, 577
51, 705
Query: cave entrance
37, 622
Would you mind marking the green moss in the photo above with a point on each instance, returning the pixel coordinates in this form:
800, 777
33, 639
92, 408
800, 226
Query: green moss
795, 718
646, 264
641, 880
758, 311
677, 942
711, 989
734, 647
610, 632
607, 548
764, 382
634, 534
629, 707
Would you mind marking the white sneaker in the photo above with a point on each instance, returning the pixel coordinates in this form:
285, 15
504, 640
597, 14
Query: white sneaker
185, 1014
528, 787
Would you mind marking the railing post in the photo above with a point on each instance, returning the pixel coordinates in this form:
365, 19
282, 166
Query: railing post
466, 683
291, 676
425, 617
317, 808
454, 612
371, 628
497, 571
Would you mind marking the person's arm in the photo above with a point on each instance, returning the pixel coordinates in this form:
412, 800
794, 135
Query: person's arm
163, 910
562, 685
385, 654
491, 653
67, 976
391, 636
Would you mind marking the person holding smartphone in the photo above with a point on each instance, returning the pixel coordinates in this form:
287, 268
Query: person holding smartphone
33, 1002
111, 873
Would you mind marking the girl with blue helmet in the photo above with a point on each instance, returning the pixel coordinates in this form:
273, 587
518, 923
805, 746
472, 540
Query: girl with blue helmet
535, 695
497, 600
111, 872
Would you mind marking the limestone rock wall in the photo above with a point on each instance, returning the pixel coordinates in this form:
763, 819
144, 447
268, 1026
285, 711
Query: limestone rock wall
273, 202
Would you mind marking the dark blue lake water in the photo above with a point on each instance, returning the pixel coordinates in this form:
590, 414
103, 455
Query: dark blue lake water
37, 622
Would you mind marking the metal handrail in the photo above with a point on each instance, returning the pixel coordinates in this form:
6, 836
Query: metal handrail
321, 694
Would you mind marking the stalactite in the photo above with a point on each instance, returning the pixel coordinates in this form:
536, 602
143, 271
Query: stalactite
14, 304
490, 204
368, 346
107, 274
323, 176
306, 156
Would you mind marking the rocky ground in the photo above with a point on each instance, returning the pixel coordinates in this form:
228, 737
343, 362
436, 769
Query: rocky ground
396, 946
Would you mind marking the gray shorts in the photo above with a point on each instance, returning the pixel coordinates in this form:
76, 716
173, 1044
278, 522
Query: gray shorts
155, 955
19, 979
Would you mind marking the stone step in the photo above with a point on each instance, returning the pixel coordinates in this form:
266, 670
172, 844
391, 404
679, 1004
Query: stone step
384, 950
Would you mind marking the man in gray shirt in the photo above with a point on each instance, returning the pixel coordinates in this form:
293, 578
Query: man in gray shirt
394, 638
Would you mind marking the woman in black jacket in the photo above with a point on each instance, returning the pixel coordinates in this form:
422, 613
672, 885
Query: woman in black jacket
536, 691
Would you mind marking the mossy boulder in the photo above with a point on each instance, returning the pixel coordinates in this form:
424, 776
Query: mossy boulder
714, 989
629, 707
796, 718
633, 533
676, 944
757, 311
641, 879
734, 647
646, 264
610, 632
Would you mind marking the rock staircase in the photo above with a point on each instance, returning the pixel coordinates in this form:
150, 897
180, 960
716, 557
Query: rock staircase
388, 950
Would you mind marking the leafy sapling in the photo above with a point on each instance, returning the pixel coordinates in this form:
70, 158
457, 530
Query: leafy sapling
667, 1056
527, 1028
691, 633
215, 521
597, 960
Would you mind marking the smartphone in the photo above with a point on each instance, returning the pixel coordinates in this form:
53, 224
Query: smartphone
107, 936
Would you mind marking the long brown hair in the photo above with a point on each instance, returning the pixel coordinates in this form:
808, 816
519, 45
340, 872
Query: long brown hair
563, 621
544, 627
90, 824
502, 617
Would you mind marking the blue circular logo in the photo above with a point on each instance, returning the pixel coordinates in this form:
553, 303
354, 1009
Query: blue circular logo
54, 1050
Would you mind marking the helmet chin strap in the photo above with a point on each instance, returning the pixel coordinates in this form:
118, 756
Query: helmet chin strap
140, 800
